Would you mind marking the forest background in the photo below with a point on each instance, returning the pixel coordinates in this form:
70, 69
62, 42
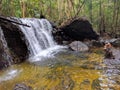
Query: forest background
104, 15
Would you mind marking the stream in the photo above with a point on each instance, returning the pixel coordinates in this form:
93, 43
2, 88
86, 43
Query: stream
69, 70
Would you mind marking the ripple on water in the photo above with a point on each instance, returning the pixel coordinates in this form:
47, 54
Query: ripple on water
9, 74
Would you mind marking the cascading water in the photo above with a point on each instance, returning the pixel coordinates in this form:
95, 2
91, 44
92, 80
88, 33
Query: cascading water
39, 38
5, 53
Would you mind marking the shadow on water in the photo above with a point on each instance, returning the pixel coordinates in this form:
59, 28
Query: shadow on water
69, 70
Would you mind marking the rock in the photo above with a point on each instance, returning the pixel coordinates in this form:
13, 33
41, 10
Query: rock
108, 51
15, 40
97, 43
3, 64
1, 51
22, 87
116, 42
101, 42
79, 29
84, 84
96, 85
78, 46
3, 58
65, 42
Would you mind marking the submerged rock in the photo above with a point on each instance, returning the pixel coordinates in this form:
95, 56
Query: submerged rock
96, 85
22, 87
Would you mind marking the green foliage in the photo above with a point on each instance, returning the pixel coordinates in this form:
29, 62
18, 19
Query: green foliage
103, 14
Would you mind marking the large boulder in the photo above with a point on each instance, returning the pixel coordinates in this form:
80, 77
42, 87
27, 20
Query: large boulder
15, 40
78, 29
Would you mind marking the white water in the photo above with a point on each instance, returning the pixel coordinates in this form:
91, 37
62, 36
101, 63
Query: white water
9, 74
39, 38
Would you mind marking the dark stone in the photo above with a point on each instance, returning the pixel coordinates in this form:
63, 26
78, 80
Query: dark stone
109, 54
1, 50
3, 64
115, 42
79, 29
15, 42
14, 38
101, 42
96, 43
108, 51
3, 60
22, 87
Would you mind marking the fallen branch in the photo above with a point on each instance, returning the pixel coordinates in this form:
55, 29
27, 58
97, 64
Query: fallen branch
5, 19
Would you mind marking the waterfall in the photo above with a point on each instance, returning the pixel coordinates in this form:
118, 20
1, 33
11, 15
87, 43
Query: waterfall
39, 38
4, 46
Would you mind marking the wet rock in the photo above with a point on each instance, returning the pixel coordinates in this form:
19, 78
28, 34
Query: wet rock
3, 60
108, 51
85, 83
97, 43
78, 46
116, 42
3, 64
15, 40
22, 87
1, 51
101, 42
66, 42
96, 85
15, 43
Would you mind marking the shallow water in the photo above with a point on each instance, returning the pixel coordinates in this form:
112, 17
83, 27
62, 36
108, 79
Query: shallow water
68, 71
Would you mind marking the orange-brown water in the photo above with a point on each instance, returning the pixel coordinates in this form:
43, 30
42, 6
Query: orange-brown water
70, 72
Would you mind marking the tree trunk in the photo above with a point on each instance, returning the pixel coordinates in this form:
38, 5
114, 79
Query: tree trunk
0, 7
100, 17
116, 18
90, 7
23, 8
